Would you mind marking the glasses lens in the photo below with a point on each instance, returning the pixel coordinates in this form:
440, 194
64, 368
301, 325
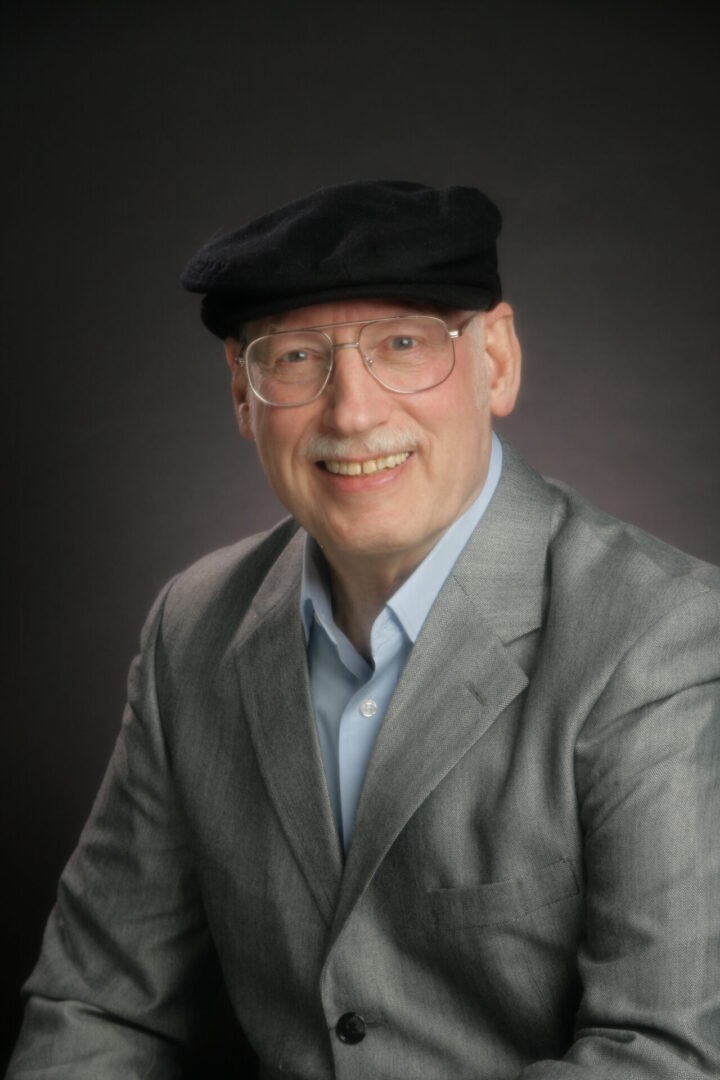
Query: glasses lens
408, 354
288, 368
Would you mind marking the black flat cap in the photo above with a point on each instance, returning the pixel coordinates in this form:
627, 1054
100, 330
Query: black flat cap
369, 238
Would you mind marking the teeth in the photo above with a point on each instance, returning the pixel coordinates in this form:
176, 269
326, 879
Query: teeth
373, 465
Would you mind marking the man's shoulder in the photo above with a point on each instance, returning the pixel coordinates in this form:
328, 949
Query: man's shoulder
220, 587
611, 570
622, 542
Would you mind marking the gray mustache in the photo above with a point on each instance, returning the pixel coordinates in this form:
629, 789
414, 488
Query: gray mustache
321, 447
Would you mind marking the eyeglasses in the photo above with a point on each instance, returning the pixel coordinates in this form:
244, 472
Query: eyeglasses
405, 353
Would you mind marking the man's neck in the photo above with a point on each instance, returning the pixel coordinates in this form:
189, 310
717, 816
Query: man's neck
362, 587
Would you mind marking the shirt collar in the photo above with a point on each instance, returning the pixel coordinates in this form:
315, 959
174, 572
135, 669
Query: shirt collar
413, 600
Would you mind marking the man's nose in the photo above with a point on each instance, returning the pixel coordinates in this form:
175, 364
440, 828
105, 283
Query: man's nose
354, 400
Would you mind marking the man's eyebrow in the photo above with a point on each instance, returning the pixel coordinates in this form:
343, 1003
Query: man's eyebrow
268, 328
278, 328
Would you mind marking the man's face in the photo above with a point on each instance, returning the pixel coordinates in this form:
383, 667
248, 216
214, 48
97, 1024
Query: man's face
442, 435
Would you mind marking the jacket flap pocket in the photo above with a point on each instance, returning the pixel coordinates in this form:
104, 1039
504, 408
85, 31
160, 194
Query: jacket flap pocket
501, 901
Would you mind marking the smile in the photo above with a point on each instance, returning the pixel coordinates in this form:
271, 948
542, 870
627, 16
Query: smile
366, 468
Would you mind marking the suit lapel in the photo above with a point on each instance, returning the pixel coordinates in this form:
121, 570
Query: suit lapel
460, 675
272, 672
459, 678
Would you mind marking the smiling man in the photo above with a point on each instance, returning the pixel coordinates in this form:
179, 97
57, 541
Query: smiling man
369, 461
429, 775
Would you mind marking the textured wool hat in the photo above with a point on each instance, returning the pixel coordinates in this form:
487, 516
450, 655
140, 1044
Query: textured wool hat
369, 238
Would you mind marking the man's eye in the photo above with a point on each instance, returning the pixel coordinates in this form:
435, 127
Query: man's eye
295, 356
402, 343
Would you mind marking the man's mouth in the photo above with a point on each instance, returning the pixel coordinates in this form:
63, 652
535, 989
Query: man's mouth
368, 467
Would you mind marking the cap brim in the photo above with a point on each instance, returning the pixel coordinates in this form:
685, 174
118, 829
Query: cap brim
224, 316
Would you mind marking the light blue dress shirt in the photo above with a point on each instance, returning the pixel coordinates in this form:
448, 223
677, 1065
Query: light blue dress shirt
350, 696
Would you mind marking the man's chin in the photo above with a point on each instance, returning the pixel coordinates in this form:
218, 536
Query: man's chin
380, 546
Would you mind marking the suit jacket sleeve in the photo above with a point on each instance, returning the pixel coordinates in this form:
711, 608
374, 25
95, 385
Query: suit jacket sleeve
127, 968
648, 787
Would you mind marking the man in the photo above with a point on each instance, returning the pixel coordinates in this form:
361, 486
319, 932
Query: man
430, 771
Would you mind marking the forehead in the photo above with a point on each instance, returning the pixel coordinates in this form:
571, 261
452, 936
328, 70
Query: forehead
339, 311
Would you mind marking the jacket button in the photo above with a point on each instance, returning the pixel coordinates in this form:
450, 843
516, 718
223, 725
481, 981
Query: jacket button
350, 1028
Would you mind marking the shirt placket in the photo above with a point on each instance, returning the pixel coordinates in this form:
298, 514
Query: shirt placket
363, 715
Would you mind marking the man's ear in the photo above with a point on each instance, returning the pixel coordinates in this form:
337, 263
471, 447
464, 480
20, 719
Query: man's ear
503, 357
240, 390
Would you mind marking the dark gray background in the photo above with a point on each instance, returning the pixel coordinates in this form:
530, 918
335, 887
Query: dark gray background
133, 133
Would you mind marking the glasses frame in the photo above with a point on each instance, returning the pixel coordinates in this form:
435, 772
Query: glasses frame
367, 361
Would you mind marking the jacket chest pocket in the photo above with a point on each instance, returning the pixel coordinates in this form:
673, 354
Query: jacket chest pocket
500, 902
509, 948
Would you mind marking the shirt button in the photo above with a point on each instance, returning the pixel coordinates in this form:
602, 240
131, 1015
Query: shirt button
350, 1028
368, 707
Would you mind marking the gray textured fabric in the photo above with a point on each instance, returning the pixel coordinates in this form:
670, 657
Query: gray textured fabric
532, 885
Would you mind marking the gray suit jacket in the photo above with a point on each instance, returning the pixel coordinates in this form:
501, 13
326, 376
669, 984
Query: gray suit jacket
532, 886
